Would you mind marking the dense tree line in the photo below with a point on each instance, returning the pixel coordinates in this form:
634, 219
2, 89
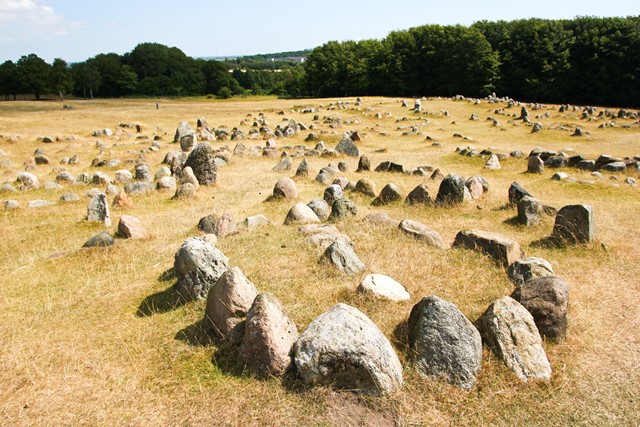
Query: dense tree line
583, 60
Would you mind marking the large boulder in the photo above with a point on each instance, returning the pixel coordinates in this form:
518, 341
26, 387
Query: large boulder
198, 266
419, 196
451, 191
347, 147
363, 164
228, 303
320, 208
342, 256
535, 165
574, 225
98, 210
366, 187
389, 194
547, 299
509, 330
186, 136
269, 335
382, 286
301, 214
422, 232
342, 209
332, 193
131, 227
445, 343
529, 268
100, 240
345, 349
501, 249
517, 192
202, 161
529, 211
219, 225
286, 189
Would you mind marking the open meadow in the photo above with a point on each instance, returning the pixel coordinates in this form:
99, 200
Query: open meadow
99, 336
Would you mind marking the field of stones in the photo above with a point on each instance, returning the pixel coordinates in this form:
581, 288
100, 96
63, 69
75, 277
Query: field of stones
374, 261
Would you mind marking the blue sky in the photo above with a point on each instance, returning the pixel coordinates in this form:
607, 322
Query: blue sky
79, 29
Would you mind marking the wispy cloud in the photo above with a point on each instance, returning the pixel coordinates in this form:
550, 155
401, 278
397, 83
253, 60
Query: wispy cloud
26, 20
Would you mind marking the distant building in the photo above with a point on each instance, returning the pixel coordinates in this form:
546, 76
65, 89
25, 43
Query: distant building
298, 59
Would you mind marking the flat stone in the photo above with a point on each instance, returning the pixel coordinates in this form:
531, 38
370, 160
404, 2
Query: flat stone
501, 249
382, 286
422, 232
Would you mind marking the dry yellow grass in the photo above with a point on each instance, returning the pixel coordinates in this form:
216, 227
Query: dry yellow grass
90, 337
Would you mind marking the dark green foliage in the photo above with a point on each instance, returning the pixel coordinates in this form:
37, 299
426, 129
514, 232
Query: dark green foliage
8, 80
60, 78
32, 75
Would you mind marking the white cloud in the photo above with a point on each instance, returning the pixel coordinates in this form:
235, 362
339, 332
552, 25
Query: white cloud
26, 20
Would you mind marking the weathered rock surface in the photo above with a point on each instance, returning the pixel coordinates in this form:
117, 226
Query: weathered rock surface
366, 187
517, 192
301, 214
343, 209
343, 258
529, 211
503, 250
347, 147
202, 161
419, 196
547, 299
345, 349
510, 332
529, 268
389, 194
286, 189
445, 343
422, 232
451, 191
198, 266
228, 302
131, 227
98, 210
100, 240
574, 225
269, 335
382, 286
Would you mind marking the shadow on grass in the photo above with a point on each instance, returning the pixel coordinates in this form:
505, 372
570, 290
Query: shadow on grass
196, 335
161, 302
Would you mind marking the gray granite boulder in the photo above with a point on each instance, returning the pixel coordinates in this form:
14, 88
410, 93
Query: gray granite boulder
198, 266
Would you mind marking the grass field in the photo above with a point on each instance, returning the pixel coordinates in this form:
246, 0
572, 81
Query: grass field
95, 337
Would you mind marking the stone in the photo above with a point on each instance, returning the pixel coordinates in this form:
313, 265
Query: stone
98, 210
131, 227
253, 222
475, 187
39, 203
547, 299
100, 240
303, 169
198, 266
123, 176
163, 172
509, 330
41, 159
11, 204
28, 181
283, 165
320, 208
343, 166
587, 165
363, 164
419, 196
493, 163
451, 191
342, 209
69, 197
445, 343
559, 176
143, 173
186, 136
325, 235
112, 190
526, 269
286, 189
65, 177
301, 214
422, 232
269, 336
202, 162
380, 218
614, 167
166, 183
382, 286
529, 211
228, 302
517, 192
574, 225
389, 194
121, 200
332, 193
389, 167
221, 226
605, 159
8, 188
188, 177
347, 147
535, 165
343, 258
345, 349
365, 186
502, 250
138, 188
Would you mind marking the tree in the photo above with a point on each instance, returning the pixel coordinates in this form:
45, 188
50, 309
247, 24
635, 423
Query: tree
33, 75
8, 80
86, 78
60, 78
116, 78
